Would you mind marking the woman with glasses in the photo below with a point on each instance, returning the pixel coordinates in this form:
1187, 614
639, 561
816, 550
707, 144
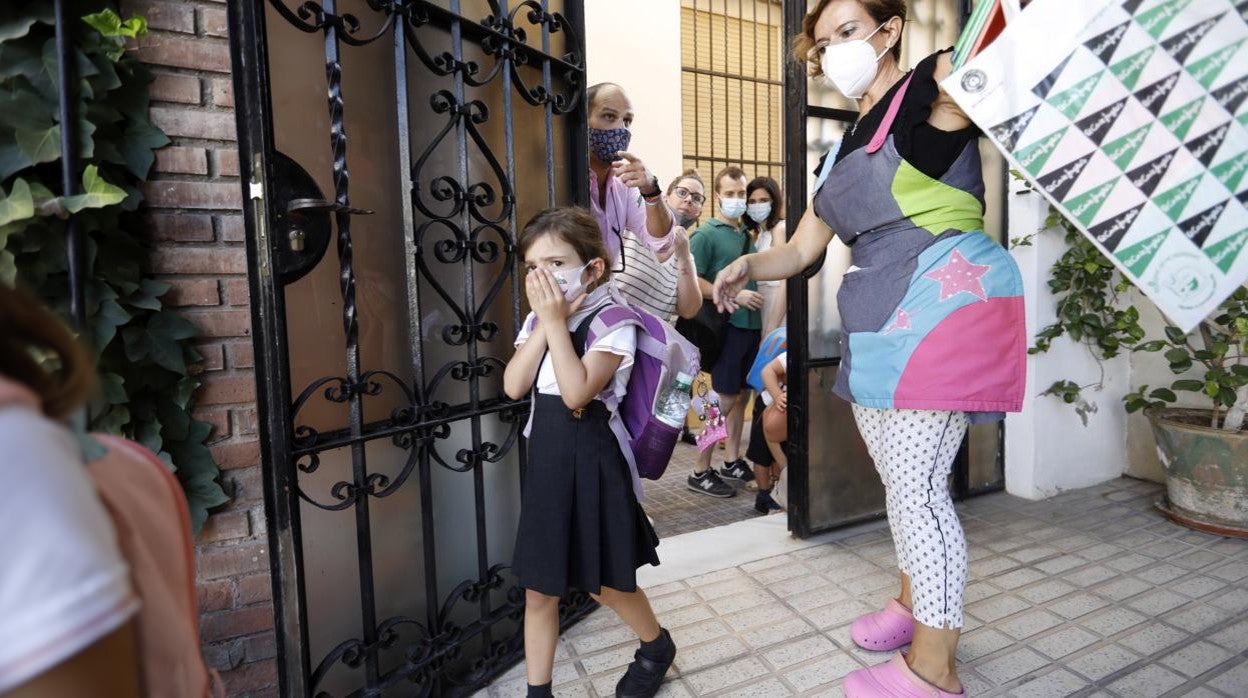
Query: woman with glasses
933, 335
665, 282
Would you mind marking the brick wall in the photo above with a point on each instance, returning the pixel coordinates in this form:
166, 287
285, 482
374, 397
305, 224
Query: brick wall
196, 229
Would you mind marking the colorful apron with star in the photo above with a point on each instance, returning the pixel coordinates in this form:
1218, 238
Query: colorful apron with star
932, 308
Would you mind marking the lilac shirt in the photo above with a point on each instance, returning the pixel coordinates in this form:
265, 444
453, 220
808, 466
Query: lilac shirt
625, 210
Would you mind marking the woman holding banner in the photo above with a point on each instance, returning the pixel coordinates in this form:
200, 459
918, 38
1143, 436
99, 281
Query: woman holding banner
931, 309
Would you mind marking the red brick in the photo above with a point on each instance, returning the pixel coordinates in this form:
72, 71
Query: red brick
198, 260
255, 589
222, 323
237, 292
178, 160
252, 677
236, 623
233, 560
246, 487
228, 390
180, 227
226, 162
168, 16
197, 53
232, 228
212, 22
192, 123
170, 87
215, 596
241, 354
184, 292
223, 93
244, 421
214, 355
257, 647
226, 525
231, 456
218, 418
223, 656
212, 195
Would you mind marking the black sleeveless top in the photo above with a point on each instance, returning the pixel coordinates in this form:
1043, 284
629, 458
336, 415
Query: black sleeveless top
929, 149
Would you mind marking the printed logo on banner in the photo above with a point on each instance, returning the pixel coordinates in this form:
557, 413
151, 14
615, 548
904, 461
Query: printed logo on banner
1180, 120
1103, 45
1198, 227
1070, 101
1033, 157
1085, 206
1137, 257
1232, 96
1181, 45
1206, 146
1154, 96
1122, 151
1110, 233
1146, 177
1185, 277
1225, 252
1129, 69
1207, 69
1157, 19
1008, 132
1045, 86
1058, 182
1097, 125
1173, 201
1231, 172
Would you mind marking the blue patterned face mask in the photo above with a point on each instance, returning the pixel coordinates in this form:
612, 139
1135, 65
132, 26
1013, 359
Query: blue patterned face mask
604, 143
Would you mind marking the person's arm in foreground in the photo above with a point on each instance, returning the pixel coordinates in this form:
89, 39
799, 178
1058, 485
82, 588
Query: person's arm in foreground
809, 241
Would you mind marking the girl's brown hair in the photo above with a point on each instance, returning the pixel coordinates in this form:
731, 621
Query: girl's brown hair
575, 226
39, 351
880, 10
777, 203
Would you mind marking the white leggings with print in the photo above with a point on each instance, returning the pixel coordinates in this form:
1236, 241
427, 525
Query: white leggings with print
914, 451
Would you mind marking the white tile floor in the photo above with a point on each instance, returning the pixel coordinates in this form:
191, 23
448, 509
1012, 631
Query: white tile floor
1091, 593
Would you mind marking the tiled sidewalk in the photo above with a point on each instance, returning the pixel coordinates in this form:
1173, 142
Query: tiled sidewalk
1091, 593
676, 509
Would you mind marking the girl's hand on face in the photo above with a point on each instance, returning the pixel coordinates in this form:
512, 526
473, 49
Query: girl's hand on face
546, 299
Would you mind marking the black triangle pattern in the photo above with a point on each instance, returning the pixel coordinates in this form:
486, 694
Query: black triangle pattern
1097, 125
1154, 96
1198, 227
1058, 182
1045, 86
1008, 132
1206, 146
1132, 5
1105, 43
1242, 9
1110, 232
1232, 95
1146, 177
1243, 197
1180, 45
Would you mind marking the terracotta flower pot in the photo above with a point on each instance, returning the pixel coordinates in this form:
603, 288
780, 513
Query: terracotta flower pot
1206, 471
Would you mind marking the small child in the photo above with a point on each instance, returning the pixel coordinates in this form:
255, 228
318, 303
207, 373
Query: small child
581, 525
768, 454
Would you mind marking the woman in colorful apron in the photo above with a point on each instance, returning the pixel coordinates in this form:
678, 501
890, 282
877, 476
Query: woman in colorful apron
933, 336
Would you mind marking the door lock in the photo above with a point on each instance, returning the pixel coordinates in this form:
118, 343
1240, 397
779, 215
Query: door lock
296, 237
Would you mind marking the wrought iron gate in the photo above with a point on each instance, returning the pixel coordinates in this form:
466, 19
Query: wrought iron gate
390, 453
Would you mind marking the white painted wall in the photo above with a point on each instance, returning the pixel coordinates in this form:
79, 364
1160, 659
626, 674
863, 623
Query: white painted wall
636, 44
1047, 448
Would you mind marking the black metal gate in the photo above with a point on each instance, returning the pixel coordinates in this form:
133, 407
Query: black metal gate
390, 453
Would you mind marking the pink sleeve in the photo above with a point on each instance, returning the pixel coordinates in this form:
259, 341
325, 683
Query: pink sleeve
636, 208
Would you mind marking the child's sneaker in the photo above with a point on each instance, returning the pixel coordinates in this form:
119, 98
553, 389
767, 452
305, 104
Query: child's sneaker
737, 470
708, 483
645, 674
764, 504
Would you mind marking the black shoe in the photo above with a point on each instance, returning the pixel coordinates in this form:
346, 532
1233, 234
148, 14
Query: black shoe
737, 470
687, 436
644, 676
708, 483
764, 504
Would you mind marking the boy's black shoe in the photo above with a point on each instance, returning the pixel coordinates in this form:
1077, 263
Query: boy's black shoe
737, 470
687, 436
644, 676
708, 483
764, 504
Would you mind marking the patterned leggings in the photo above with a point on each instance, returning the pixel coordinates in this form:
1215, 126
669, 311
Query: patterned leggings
914, 451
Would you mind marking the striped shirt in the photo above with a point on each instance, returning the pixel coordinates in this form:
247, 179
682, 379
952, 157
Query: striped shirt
645, 280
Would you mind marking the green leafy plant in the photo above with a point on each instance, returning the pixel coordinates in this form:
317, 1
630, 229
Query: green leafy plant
148, 366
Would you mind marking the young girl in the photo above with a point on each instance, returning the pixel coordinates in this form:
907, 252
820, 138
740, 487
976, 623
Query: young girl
766, 453
581, 525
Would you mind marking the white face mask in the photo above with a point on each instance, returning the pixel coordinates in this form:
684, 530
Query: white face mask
732, 208
570, 281
758, 212
851, 66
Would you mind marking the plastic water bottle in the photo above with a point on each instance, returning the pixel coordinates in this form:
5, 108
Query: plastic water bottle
673, 402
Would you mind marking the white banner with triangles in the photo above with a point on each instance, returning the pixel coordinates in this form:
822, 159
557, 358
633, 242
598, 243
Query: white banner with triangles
1131, 116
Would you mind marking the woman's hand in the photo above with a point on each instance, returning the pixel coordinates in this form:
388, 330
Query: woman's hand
780, 399
547, 301
729, 284
680, 243
749, 299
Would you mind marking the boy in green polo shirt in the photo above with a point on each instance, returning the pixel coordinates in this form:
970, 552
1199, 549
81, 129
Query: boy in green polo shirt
715, 245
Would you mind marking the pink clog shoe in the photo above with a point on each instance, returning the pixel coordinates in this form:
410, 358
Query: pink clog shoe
885, 630
892, 679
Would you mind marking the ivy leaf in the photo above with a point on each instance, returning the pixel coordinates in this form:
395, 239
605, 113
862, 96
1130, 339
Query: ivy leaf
1189, 385
137, 146
22, 148
110, 316
97, 192
148, 295
113, 387
1175, 335
164, 331
17, 205
113, 421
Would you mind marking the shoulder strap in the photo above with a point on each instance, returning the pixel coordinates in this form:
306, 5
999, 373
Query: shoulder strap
745, 246
580, 336
881, 133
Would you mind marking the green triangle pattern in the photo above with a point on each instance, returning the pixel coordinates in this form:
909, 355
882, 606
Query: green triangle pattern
1033, 157
1225, 252
1138, 256
1085, 206
1173, 201
1157, 19
1207, 70
1070, 101
1128, 70
1180, 120
1231, 172
1243, 118
1122, 150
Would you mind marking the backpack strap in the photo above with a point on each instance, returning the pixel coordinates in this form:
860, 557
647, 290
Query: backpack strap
881, 133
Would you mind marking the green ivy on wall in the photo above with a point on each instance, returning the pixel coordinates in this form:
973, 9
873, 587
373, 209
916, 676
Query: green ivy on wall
148, 366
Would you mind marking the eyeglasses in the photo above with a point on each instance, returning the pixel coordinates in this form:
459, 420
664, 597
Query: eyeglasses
682, 194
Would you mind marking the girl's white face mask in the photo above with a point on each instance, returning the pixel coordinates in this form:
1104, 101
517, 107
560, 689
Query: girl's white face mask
570, 281
851, 66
